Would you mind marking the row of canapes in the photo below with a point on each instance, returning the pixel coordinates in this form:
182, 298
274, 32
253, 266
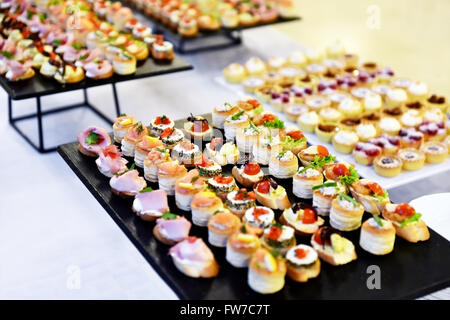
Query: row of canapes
240, 216
360, 108
105, 40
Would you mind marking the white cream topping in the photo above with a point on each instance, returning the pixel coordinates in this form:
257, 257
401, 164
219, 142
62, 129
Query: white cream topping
366, 130
390, 124
255, 65
397, 95
308, 173
310, 257
346, 137
309, 117
286, 233
349, 104
373, 101
411, 118
418, 88
264, 219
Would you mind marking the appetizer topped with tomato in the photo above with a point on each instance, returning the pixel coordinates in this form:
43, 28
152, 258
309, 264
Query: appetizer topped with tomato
248, 174
278, 237
159, 124
208, 168
197, 127
370, 194
315, 156
303, 218
239, 201
271, 194
294, 140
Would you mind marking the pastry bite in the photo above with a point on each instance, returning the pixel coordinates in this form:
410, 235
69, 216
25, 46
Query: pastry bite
308, 121
124, 63
230, 18
302, 263
251, 84
221, 112
411, 119
323, 195
127, 184
346, 213
134, 134
388, 165
292, 112
197, 128
222, 153
316, 103
110, 161
257, 218
186, 187
401, 83
222, 185
247, 137
280, 101
344, 141
239, 201
304, 180
435, 101
188, 27
171, 228
159, 124
278, 238
330, 115
221, 225
335, 50
315, 154
143, 147
275, 63
193, 258
410, 138
434, 115
270, 194
337, 97
302, 218
385, 75
138, 49
187, 153
388, 144
332, 247
152, 160
316, 69
350, 108
325, 132
366, 131
234, 122
65, 74
208, 168
248, 174
150, 204
407, 222
246, 19
447, 142
203, 205
360, 93
370, 194
170, 137
377, 236
265, 272
412, 159
208, 22
255, 66
283, 164
396, 98
418, 91
435, 152
341, 171
349, 124
433, 131
168, 173
334, 67
272, 79
365, 153
294, 140
241, 245
264, 93
390, 126
162, 50
92, 139
350, 60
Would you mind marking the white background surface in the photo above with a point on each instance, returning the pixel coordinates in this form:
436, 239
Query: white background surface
56, 241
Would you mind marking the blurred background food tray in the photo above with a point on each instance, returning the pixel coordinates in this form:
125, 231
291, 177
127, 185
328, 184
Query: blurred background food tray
410, 271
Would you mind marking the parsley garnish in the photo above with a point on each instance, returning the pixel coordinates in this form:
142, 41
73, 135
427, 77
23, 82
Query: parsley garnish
92, 138
7, 54
414, 218
139, 127
194, 179
42, 16
169, 216
377, 219
322, 161
243, 229
325, 185
281, 154
350, 179
236, 116
148, 189
77, 46
276, 124
29, 14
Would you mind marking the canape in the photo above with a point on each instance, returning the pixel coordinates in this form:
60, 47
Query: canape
170, 137
203, 205
240, 247
278, 237
150, 204
304, 180
186, 187
110, 161
377, 236
220, 226
302, 263
248, 174
134, 134
127, 184
247, 137
187, 153
239, 201
332, 247
193, 258
221, 112
283, 164
162, 50
314, 154
407, 222
294, 140
222, 153
197, 128
270, 194
168, 173
92, 139
346, 213
222, 185
143, 147
265, 272
324, 194
159, 124
303, 218
171, 228
234, 122
151, 162
256, 219
208, 168
370, 194
121, 126
124, 63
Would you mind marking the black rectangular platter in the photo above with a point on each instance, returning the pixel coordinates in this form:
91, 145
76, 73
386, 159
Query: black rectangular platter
410, 271
41, 86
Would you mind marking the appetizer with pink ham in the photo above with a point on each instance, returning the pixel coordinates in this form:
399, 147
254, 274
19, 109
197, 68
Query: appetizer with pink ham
193, 258
92, 140
127, 184
150, 205
171, 228
110, 161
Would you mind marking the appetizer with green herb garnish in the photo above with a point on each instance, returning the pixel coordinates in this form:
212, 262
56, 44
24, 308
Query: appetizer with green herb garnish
346, 213
377, 236
371, 195
239, 120
92, 140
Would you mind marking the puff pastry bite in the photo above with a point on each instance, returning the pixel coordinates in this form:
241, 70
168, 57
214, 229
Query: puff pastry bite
407, 222
324, 194
283, 164
304, 180
220, 226
370, 194
221, 112
377, 236
278, 237
266, 273
346, 213
241, 245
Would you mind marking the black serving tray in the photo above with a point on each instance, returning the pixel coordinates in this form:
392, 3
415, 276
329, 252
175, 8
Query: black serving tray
38, 85
410, 271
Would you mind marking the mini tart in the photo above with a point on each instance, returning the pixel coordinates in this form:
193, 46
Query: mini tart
411, 119
372, 103
316, 103
350, 108
325, 132
220, 226
234, 73
411, 138
365, 153
388, 165
377, 238
308, 121
266, 274
304, 180
366, 131
416, 105
256, 219
345, 215
330, 115
435, 101
255, 66
302, 263
433, 131
418, 91
389, 144
412, 159
239, 201
372, 118
389, 125
294, 111
396, 98
283, 165
349, 124
435, 152
344, 141
337, 97
447, 142
264, 93
252, 84
278, 238
221, 112
304, 221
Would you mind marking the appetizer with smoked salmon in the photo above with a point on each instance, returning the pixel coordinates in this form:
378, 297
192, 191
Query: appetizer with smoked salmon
143, 147
271, 194
241, 245
127, 184
248, 174
222, 153
171, 228
332, 247
265, 272
150, 204
203, 206
302, 263
222, 185
278, 237
193, 258
370, 194
134, 134
407, 222
239, 201
208, 168
256, 219
110, 161
92, 139
304, 180
346, 213
154, 158
168, 173
303, 218
186, 187
377, 236
220, 226
170, 137
121, 126
159, 124
197, 128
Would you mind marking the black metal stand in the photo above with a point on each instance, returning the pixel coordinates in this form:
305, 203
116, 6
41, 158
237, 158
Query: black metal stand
40, 147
